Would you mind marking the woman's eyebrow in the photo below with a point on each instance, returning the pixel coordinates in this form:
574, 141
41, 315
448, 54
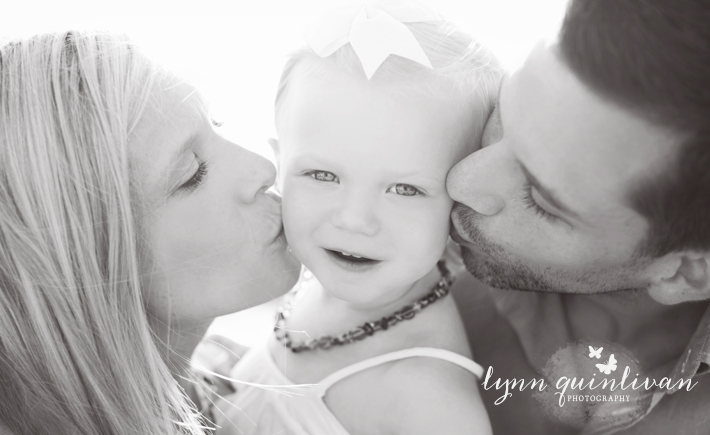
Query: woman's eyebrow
185, 148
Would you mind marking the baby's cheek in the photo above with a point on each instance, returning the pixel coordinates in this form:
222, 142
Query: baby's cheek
291, 211
428, 229
441, 224
302, 216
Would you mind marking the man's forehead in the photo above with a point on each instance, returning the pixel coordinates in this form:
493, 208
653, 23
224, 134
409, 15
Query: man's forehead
572, 138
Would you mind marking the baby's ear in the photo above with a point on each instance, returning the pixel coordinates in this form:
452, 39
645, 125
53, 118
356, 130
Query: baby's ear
685, 278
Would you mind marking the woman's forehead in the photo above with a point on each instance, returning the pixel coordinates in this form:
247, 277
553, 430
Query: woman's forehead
164, 135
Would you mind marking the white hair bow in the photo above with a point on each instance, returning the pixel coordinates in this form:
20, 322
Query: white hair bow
374, 29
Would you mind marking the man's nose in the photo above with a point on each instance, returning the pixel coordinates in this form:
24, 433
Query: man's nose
473, 182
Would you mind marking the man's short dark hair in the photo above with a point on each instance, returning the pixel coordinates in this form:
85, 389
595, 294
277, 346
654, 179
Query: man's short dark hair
653, 58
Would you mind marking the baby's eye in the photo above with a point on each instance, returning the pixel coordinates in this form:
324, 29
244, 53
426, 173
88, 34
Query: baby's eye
323, 176
404, 190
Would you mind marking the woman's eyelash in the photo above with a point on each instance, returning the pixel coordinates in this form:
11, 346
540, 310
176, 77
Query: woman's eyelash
531, 204
196, 179
216, 123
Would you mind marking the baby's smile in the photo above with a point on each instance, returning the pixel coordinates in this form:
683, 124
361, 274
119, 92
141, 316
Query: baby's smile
351, 261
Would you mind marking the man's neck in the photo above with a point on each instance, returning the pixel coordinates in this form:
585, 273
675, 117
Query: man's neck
656, 334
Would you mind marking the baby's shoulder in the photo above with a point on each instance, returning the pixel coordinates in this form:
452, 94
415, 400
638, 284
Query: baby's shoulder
432, 395
431, 377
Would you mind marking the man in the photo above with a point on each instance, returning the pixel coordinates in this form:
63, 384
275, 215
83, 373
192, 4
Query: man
592, 195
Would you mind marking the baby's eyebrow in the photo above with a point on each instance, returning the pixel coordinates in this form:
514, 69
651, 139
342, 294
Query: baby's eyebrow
310, 157
415, 177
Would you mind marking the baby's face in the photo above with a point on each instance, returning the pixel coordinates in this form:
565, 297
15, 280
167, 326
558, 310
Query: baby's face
362, 174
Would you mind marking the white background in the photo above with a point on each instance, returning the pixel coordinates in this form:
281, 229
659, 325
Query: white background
233, 52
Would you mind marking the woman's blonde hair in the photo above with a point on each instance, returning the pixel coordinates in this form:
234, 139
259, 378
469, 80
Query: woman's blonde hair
462, 68
76, 352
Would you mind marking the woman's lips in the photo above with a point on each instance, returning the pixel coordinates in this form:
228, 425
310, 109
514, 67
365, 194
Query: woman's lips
280, 236
273, 195
273, 217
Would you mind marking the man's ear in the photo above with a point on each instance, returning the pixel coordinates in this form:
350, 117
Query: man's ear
685, 277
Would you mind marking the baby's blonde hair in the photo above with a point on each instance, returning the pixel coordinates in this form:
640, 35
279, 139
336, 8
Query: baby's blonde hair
76, 353
462, 69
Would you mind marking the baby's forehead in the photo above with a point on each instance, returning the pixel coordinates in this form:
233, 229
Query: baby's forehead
324, 90
423, 86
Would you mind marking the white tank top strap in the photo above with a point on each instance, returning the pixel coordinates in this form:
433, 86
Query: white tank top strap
446, 355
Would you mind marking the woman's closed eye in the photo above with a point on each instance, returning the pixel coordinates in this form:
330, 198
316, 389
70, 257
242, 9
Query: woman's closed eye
325, 176
197, 178
405, 190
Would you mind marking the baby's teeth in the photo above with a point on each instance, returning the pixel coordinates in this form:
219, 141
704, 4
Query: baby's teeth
349, 255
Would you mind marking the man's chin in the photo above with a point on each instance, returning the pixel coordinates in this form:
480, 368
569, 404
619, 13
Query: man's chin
499, 274
503, 273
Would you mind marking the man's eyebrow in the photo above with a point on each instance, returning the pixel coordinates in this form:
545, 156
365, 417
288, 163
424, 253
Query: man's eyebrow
546, 193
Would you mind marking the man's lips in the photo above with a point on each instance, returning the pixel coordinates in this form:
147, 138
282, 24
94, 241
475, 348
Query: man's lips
456, 237
457, 234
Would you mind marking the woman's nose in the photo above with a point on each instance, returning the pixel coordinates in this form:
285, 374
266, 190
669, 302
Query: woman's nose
474, 182
356, 214
254, 175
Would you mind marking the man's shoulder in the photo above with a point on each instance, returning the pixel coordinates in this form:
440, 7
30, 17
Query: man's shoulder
683, 412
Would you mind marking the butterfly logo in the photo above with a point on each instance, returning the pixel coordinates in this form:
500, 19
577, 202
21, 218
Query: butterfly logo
595, 353
609, 366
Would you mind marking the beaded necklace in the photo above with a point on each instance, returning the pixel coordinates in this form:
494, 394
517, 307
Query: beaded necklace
365, 330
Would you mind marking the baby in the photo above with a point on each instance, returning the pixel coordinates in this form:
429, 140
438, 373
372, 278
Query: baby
365, 141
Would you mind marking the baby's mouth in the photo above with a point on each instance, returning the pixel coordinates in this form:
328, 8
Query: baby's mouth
350, 258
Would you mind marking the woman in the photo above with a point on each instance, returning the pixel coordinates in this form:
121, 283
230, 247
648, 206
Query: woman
126, 225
